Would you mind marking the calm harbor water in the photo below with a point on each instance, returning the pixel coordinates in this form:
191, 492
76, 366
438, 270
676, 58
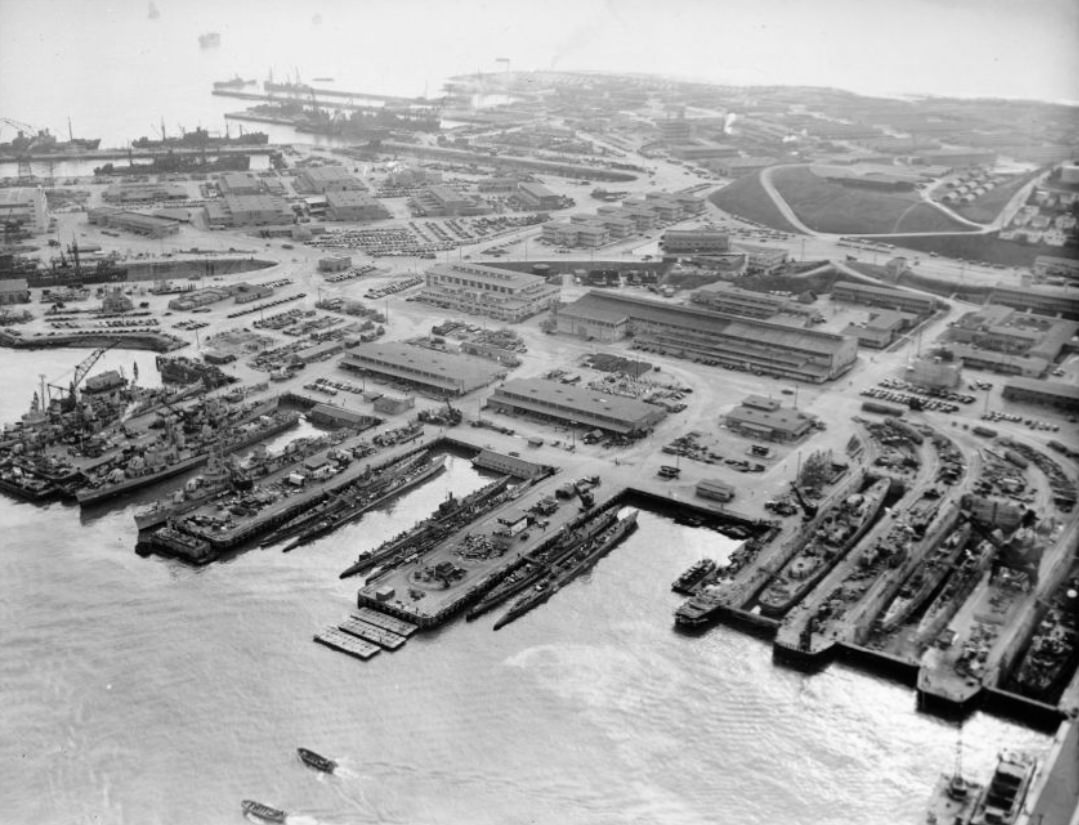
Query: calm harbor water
142, 691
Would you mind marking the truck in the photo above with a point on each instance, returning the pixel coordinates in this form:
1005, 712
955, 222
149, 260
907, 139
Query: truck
882, 408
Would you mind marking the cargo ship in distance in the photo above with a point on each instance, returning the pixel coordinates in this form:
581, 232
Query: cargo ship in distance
839, 530
201, 138
234, 82
174, 163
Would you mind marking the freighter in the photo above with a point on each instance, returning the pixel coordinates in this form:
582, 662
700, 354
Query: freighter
838, 532
202, 138
177, 163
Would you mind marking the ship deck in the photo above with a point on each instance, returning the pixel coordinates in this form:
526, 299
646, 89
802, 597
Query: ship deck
245, 528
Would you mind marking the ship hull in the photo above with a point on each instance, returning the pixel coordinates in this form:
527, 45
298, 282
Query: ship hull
775, 605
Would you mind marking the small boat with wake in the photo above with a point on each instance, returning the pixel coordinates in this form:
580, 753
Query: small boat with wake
263, 812
316, 761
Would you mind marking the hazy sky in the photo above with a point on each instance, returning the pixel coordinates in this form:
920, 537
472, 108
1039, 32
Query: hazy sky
1004, 48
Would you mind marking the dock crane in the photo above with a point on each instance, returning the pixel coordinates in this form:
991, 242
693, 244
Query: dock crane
809, 511
67, 396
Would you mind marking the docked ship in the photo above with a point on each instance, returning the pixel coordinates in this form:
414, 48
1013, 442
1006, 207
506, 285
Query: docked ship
358, 504
172, 543
173, 163
953, 800
582, 560
172, 461
263, 812
839, 530
451, 513
925, 580
45, 143
532, 570
62, 272
217, 478
1051, 655
201, 138
316, 761
234, 82
23, 484
1002, 802
693, 576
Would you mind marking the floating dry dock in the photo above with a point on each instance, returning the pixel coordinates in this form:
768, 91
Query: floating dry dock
346, 643
370, 633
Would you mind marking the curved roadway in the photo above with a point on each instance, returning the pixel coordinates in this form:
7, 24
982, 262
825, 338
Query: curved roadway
977, 228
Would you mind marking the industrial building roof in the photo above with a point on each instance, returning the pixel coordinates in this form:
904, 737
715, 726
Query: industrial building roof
1056, 388
714, 323
791, 422
458, 372
490, 274
350, 197
629, 412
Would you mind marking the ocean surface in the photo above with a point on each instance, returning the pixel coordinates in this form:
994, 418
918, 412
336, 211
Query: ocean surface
142, 691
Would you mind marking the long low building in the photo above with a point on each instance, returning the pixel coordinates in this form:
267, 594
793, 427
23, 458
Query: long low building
711, 337
1048, 393
1050, 302
884, 297
576, 406
486, 290
430, 371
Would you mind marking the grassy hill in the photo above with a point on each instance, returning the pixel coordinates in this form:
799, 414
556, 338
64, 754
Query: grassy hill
832, 207
746, 198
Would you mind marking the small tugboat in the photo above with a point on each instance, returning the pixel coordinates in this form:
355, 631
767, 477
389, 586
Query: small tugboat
263, 812
316, 761
693, 576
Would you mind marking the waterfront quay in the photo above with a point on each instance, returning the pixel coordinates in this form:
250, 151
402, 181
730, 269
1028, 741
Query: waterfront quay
140, 154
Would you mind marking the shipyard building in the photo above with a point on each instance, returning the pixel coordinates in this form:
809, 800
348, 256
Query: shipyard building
24, 207
575, 406
320, 180
1041, 301
136, 222
710, 337
733, 300
1047, 393
884, 298
611, 223
351, 205
247, 210
486, 290
694, 241
428, 371
765, 418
